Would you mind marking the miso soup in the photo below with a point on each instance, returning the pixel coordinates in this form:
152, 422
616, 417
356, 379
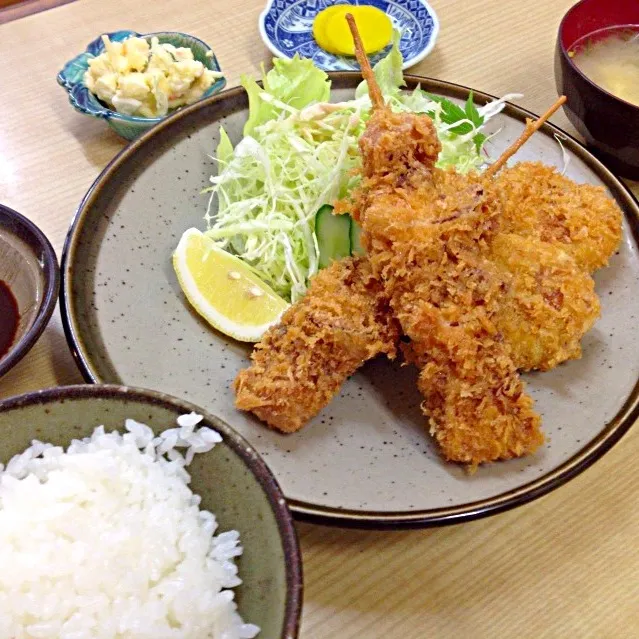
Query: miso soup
612, 62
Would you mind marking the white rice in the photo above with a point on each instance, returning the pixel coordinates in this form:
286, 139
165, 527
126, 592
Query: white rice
107, 541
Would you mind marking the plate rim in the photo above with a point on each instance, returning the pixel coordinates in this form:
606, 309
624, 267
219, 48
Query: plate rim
235, 441
270, 45
582, 459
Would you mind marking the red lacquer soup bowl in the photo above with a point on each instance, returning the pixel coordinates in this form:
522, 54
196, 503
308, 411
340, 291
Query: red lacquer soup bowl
609, 124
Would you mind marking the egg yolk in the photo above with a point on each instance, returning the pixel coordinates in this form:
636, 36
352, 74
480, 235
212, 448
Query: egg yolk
332, 33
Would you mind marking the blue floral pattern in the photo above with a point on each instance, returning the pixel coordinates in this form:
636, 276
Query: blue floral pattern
287, 28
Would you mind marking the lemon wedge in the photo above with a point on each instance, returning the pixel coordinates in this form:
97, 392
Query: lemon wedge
332, 33
224, 290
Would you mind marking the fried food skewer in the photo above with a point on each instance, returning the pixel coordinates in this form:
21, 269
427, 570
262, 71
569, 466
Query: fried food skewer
554, 234
427, 235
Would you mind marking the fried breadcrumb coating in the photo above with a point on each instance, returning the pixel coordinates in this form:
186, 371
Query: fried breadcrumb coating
485, 276
342, 321
427, 234
548, 305
539, 202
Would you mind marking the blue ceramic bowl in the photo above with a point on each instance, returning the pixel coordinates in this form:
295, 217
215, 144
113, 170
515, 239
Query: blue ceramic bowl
72, 79
286, 26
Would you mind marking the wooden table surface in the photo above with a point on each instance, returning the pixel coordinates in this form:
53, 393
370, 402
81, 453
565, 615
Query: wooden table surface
566, 565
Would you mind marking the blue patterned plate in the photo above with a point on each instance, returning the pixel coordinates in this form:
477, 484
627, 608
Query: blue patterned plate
286, 26
71, 78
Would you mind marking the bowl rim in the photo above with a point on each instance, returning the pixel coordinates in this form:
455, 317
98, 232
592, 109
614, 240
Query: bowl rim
30, 233
582, 459
110, 114
406, 63
251, 458
564, 52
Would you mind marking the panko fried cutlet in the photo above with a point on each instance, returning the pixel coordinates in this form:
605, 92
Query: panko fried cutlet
548, 303
540, 202
342, 321
554, 234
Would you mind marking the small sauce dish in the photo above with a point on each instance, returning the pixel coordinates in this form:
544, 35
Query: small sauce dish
29, 283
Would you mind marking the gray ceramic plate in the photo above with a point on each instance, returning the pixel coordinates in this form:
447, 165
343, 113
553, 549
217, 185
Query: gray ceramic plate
365, 460
29, 267
232, 480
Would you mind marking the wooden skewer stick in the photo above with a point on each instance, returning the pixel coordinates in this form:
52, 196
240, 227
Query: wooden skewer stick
531, 127
367, 72
378, 102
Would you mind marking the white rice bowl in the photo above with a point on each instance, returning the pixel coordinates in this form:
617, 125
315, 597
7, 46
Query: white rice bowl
107, 541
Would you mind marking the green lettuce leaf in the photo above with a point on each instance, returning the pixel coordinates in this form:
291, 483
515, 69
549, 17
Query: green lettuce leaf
388, 72
224, 150
418, 101
295, 82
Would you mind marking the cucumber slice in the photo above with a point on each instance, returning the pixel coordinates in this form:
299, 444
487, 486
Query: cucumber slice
356, 241
333, 235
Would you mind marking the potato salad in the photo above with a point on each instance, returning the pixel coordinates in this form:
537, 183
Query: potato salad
147, 80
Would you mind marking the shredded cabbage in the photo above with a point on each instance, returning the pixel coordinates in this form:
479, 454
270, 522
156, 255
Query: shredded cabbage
299, 152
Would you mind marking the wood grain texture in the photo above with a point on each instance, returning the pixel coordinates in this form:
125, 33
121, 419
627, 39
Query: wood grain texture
14, 9
563, 566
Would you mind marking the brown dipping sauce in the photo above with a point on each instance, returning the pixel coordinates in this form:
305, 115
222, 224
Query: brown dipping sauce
9, 317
